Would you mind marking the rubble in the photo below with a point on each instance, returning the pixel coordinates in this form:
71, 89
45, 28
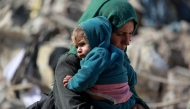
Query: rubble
31, 31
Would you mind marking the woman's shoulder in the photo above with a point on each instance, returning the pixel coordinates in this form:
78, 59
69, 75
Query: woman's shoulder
68, 58
67, 63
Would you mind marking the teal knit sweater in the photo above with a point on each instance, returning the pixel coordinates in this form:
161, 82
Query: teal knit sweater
104, 64
103, 71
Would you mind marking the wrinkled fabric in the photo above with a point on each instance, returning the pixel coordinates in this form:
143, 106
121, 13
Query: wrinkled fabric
64, 98
46, 102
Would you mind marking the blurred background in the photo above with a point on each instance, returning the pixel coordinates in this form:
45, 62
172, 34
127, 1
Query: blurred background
34, 33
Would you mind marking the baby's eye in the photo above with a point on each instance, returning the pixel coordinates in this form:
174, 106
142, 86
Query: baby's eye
82, 44
76, 46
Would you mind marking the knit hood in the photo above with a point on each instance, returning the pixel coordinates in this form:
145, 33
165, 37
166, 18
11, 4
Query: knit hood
118, 12
97, 31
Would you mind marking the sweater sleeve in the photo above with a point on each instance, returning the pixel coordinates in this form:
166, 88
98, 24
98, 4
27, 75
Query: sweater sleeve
94, 63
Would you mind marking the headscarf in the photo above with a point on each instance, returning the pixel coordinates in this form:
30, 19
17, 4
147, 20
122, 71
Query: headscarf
118, 12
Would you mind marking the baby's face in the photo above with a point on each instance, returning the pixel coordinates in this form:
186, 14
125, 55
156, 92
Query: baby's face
83, 48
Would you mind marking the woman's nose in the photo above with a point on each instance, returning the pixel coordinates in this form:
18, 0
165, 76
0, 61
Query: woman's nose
127, 39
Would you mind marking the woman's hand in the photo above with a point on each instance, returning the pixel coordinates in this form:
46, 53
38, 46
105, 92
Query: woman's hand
66, 80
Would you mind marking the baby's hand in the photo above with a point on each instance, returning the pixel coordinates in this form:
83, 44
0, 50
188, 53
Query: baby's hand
66, 80
134, 107
139, 106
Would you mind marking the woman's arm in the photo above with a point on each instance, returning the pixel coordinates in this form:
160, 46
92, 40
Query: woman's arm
140, 104
64, 98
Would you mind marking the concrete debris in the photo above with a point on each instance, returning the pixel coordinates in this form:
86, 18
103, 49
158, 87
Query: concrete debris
159, 51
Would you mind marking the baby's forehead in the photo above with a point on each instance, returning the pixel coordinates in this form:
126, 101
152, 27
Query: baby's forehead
80, 39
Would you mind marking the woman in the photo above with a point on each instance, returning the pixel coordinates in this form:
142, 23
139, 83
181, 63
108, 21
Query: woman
103, 74
118, 12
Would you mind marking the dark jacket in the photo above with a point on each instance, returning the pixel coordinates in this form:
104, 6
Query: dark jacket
64, 98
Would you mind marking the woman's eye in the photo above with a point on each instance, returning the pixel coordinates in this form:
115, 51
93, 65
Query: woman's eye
124, 34
121, 34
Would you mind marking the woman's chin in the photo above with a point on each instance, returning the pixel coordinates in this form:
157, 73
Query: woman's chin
123, 48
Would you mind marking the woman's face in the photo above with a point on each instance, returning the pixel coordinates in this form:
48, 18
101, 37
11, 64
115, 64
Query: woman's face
122, 36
